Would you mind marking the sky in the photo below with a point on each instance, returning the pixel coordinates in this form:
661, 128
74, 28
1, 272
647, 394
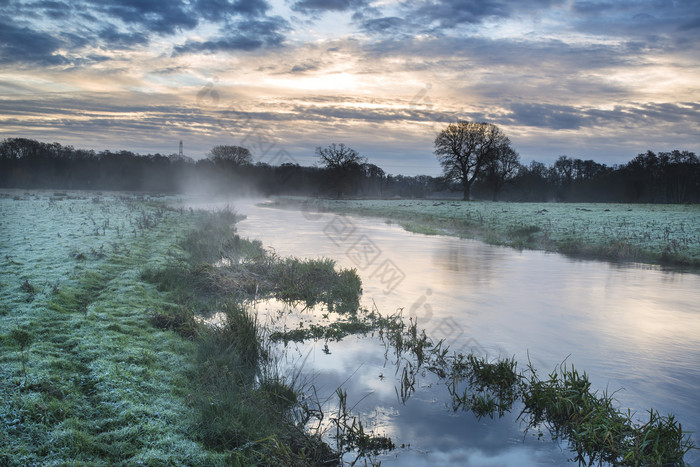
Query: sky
602, 80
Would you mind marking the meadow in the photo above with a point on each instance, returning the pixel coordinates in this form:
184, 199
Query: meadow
84, 379
662, 234
107, 357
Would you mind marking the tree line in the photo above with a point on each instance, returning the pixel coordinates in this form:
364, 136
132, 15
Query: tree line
477, 159
480, 160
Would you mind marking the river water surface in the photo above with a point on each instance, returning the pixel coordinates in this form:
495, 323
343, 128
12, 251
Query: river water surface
633, 329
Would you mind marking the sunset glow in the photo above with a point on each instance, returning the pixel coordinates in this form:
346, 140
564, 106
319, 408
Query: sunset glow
600, 81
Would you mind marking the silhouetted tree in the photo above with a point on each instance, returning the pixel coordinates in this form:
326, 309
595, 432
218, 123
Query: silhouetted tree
236, 156
339, 156
682, 174
532, 182
501, 168
344, 166
374, 177
464, 149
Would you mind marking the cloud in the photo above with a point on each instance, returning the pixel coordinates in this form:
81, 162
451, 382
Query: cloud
218, 10
557, 117
155, 16
243, 35
564, 72
321, 6
54, 9
438, 16
117, 39
569, 117
450, 13
128, 25
647, 20
389, 25
304, 67
473, 56
690, 24
23, 45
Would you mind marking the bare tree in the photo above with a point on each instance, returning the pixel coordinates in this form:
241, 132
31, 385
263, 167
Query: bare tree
233, 155
339, 156
502, 168
566, 169
464, 149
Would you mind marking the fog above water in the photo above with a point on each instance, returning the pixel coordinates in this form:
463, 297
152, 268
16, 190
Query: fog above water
632, 328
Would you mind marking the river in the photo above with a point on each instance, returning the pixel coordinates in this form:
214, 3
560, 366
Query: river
632, 328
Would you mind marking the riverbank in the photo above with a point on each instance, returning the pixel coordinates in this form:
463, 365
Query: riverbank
666, 235
105, 356
85, 378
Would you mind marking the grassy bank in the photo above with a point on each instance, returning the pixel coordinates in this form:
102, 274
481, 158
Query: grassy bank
106, 355
85, 378
242, 406
656, 234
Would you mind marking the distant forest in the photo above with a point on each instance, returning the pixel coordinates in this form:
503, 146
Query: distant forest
664, 177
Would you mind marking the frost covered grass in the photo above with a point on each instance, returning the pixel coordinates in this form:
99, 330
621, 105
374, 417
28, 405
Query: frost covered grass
84, 378
651, 233
103, 359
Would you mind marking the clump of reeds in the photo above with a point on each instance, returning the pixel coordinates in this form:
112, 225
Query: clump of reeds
565, 403
596, 430
490, 387
180, 319
316, 281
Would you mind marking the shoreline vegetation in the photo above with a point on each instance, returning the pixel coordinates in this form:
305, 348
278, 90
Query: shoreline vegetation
108, 358
106, 355
658, 234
